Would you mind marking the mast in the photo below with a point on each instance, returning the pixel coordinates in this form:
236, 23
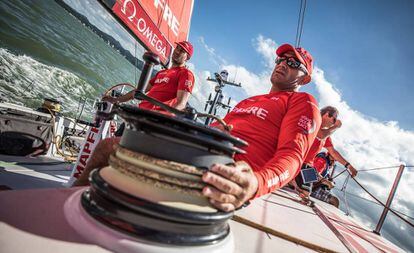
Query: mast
221, 80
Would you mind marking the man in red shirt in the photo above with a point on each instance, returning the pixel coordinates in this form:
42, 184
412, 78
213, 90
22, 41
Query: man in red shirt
280, 127
330, 124
171, 86
324, 163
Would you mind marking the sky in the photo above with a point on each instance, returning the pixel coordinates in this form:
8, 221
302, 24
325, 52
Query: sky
364, 47
362, 52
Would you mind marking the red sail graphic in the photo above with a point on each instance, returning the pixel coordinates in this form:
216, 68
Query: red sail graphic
158, 23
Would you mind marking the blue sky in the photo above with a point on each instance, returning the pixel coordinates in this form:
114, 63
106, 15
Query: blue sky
364, 47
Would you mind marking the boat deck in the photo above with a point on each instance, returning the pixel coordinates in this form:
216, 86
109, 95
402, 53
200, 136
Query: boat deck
20, 173
33, 220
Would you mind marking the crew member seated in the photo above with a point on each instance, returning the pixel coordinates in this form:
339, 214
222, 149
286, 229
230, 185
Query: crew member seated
324, 164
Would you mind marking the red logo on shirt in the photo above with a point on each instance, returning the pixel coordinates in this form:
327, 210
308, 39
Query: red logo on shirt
307, 124
162, 80
188, 83
257, 111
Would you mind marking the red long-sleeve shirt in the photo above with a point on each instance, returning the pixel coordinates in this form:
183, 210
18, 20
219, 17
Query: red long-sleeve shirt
280, 128
165, 85
316, 147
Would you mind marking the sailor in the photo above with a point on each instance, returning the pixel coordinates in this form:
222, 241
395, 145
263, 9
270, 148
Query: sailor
280, 128
330, 123
324, 163
171, 86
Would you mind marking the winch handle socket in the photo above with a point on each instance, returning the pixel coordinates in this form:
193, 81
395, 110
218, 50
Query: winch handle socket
150, 59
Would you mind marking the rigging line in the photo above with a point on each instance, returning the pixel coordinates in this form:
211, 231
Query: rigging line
339, 174
374, 169
379, 201
344, 191
381, 168
80, 114
297, 28
371, 201
301, 26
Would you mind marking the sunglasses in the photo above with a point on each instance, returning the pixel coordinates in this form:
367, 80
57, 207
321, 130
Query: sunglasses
292, 62
332, 115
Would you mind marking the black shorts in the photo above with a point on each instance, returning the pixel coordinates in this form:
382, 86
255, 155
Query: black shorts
322, 194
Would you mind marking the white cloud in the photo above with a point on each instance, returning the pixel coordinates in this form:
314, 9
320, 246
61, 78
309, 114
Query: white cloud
266, 47
369, 143
252, 83
214, 57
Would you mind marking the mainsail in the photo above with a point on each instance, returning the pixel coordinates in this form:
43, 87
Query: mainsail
156, 25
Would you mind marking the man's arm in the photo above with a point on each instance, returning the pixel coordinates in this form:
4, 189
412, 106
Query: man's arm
124, 98
185, 86
326, 132
98, 159
338, 157
182, 99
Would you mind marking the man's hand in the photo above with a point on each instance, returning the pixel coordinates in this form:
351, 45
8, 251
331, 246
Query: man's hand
229, 187
124, 98
303, 194
328, 183
352, 170
224, 129
338, 123
110, 99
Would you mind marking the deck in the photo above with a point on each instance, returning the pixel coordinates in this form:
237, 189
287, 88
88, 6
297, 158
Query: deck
32, 218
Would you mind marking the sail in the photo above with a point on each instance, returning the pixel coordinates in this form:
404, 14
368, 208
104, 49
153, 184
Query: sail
158, 24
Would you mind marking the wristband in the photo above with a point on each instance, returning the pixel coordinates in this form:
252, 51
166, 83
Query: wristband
347, 165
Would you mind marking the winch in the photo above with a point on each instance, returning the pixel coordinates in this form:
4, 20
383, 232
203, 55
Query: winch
151, 189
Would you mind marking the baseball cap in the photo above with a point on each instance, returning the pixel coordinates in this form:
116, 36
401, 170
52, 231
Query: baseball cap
303, 56
187, 47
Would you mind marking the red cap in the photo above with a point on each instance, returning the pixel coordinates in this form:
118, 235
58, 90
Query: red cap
303, 56
187, 47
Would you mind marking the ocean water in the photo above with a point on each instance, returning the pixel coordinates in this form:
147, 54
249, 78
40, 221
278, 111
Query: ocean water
46, 52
